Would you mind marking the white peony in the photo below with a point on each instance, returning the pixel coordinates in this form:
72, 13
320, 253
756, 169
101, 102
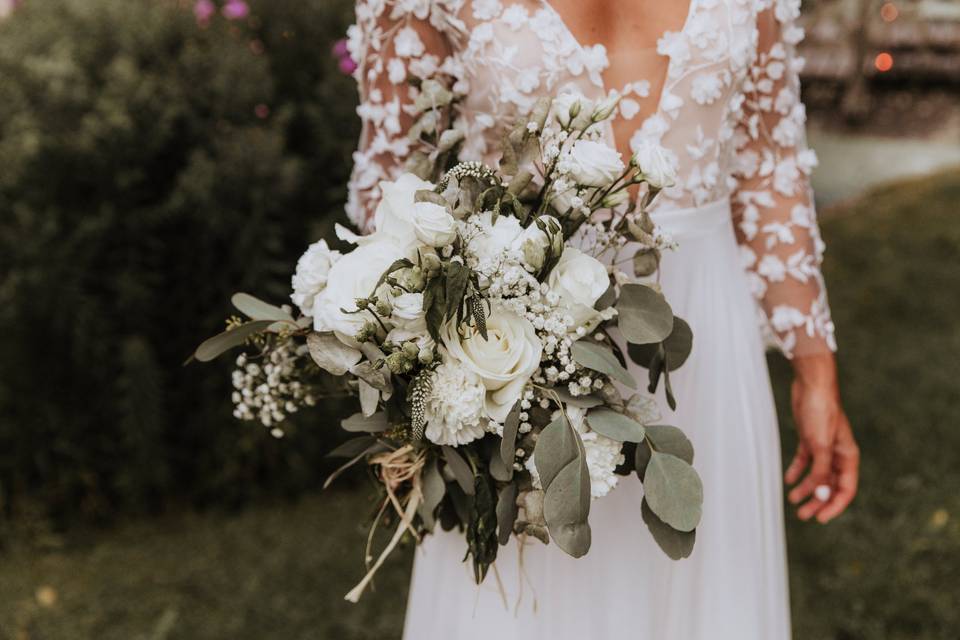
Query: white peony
657, 165
579, 280
454, 406
310, 278
352, 276
433, 224
504, 361
594, 164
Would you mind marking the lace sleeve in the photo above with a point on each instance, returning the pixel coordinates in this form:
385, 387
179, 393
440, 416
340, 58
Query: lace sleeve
773, 203
396, 44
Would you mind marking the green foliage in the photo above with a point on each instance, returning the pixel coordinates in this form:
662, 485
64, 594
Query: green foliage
150, 168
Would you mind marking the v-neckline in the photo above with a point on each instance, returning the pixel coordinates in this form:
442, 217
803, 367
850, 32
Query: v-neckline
605, 85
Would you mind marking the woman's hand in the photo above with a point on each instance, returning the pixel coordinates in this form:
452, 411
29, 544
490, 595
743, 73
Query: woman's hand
827, 451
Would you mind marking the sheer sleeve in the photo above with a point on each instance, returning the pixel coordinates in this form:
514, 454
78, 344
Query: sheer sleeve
396, 44
773, 203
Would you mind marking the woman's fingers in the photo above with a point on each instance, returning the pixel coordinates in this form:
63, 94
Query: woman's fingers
847, 463
800, 461
820, 472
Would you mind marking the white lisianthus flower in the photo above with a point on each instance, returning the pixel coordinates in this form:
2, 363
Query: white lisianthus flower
496, 238
534, 242
594, 164
568, 105
504, 361
579, 280
606, 107
310, 278
657, 165
454, 406
352, 276
433, 224
408, 312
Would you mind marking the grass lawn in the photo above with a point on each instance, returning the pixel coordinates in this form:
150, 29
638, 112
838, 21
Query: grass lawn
890, 569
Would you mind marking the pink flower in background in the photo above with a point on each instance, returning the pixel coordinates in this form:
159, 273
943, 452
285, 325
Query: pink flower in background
203, 10
236, 10
340, 50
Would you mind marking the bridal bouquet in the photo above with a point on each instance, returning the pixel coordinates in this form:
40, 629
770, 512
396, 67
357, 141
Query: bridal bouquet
484, 328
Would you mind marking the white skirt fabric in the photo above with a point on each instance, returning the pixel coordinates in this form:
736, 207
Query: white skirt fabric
734, 584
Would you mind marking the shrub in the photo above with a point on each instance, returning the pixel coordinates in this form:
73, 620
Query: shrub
149, 167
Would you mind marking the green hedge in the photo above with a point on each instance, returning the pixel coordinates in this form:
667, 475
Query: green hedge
148, 168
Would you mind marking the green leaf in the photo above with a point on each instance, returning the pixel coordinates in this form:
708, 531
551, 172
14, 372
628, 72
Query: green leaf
508, 444
615, 426
506, 512
556, 448
458, 277
582, 402
674, 491
642, 459
434, 306
352, 447
330, 354
257, 309
606, 300
676, 544
402, 263
359, 423
499, 470
229, 339
667, 439
678, 346
566, 508
460, 469
644, 316
599, 358
433, 488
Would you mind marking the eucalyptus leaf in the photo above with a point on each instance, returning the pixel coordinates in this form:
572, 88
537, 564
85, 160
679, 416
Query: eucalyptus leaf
499, 470
460, 469
229, 339
566, 508
642, 459
506, 511
257, 309
674, 491
352, 447
615, 426
433, 488
556, 447
608, 298
508, 444
676, 544
369, 399
672, 440
644, 316
582, 402
378, 378
677, 346
331, 355
358, 422
600, 358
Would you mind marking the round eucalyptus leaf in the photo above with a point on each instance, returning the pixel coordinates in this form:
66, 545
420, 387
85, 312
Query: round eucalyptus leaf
676, 544
674, 491
566, 508
667, 439
368, 424
678, 346
615, 426
599, 358
556, 447
644, 315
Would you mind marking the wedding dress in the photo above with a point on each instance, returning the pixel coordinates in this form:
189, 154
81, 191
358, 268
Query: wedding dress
729, 110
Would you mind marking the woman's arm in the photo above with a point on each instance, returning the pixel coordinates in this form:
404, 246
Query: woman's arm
780, 240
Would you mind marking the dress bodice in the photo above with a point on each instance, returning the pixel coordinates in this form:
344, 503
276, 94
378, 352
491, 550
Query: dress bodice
729, 113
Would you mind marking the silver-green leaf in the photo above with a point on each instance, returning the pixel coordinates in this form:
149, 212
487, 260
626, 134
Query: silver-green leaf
674, 491
643, 314
229, 339
615, 426
600, 358
257, 309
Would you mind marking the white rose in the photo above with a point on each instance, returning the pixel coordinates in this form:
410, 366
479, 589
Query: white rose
394, 215
433, 225
594, 164
408, 312
352, 276
496, 238
504, 361
658, 166
310, 278
579, 280
568, 105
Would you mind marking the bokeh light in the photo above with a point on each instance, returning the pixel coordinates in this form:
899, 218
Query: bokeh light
883, 62
889, 12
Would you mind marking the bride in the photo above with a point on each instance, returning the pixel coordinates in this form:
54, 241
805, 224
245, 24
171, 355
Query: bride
716, 83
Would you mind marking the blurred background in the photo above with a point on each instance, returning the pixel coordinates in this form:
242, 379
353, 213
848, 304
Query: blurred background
156, 156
